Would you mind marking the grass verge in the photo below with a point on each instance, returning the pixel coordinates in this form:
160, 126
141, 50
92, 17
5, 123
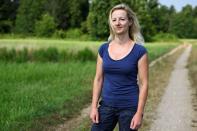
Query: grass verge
192, 66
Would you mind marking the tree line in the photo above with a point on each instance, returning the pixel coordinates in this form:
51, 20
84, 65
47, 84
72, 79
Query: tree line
76, 18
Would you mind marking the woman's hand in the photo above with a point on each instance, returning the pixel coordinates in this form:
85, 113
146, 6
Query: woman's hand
94, 115
136, 121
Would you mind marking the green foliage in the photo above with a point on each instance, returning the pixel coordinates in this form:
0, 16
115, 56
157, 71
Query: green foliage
22, 56
85, 54
59, 34
165, 37
183, 23
44, 55
98, 24
8, 10
50, 54
68, 13
46, 26
28, 13
73, 33
45, 18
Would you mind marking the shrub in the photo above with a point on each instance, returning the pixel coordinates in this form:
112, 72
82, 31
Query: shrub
44, 55
3, 54
73, 33
46, 26
22, 55
59, 34
165, 37
11, 55
50, 54
85, 54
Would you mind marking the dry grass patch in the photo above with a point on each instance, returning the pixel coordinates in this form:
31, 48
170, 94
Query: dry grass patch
193, 79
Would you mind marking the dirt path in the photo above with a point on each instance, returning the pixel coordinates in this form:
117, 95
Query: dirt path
175, 110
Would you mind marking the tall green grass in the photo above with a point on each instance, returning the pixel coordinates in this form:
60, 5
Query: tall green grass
30, 92
50, 54
45, 43
59, 50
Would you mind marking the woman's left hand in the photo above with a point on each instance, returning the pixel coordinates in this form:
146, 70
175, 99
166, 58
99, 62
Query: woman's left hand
136, 121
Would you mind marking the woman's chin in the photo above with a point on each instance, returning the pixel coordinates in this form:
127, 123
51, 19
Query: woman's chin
120, 32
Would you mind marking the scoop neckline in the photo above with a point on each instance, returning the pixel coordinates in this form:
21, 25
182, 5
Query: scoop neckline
131, 50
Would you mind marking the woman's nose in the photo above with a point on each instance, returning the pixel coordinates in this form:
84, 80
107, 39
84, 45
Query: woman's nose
117, 22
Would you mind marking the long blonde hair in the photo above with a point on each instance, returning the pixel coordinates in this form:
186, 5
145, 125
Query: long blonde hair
134, 29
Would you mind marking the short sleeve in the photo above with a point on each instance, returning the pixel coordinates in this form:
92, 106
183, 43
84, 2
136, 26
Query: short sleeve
102, 49
142, 51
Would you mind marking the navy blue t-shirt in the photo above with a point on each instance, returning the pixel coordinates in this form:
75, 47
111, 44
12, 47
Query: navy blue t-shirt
120, 88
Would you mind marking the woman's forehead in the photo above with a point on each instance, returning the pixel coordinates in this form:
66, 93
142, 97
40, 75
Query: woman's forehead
119, 13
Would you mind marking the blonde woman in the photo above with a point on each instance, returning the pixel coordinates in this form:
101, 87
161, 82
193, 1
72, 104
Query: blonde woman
119, 62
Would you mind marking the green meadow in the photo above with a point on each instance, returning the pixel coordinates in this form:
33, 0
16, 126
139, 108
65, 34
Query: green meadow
36, 95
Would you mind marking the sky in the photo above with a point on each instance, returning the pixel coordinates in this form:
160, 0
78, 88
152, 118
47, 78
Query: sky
178, 4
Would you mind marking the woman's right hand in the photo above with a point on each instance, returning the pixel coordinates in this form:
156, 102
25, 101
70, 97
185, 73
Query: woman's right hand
94, 115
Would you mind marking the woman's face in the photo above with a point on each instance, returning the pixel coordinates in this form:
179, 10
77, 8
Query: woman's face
119, 22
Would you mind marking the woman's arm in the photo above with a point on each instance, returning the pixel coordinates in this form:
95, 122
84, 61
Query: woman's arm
97, 85
143, 83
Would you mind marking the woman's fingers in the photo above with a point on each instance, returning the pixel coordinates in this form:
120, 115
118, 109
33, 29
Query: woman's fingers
97, 118
94, 116
135, 123
132, 124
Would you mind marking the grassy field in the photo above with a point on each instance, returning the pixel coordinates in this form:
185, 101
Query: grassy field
30, 91
37, 95
66, 44
45, 43
193, 79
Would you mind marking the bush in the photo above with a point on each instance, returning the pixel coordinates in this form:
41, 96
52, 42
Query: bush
85, 54
73, 33
59, 34
46, 26
50, 54
162, 37
22, 56
3, 54
44, 55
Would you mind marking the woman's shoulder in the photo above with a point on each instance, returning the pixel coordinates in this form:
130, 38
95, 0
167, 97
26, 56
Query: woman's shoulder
102, 48
104, 44
140, 50
140, 46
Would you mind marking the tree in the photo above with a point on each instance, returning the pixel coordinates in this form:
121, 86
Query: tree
7, 15
183, 23
97, 21
46, 26
68, 13
29, 11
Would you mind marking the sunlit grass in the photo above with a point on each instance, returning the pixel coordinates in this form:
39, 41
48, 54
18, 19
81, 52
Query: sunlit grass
33, 91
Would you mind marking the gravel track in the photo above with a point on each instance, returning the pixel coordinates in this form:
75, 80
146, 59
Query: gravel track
175, 111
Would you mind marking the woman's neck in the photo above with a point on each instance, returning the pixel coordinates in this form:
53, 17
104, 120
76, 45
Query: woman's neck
121, 39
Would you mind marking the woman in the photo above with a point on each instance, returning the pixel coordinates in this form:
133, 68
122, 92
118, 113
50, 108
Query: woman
119, 62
